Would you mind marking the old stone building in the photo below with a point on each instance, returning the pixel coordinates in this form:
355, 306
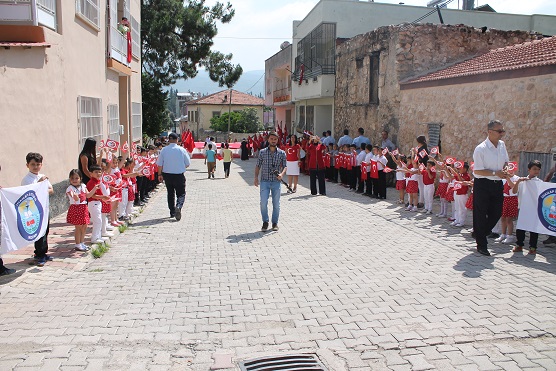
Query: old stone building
516, 85
371, 66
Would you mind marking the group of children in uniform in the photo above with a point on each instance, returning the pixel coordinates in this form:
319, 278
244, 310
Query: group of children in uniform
429, 175
107, 200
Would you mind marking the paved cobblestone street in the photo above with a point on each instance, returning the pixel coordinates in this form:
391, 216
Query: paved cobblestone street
359, 282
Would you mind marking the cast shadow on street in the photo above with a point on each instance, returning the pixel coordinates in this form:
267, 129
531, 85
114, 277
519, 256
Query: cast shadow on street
247, 237
150, 222
473, 264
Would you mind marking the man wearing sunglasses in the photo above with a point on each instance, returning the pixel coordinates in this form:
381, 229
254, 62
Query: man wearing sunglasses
491, 159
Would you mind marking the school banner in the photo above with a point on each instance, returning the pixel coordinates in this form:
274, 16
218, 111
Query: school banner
24, 215
537, 207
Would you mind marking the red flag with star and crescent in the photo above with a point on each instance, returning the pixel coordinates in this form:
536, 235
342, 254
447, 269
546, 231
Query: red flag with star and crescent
374, 169
363, 170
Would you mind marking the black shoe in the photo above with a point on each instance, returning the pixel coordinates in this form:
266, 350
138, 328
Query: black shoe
178, 214
420, 206
264, 228
275, 227
493, 235
549, 240
7, 271
483, 252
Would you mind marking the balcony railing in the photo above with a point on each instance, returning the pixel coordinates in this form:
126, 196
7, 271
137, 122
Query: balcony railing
282, 95
28, 12
118, 46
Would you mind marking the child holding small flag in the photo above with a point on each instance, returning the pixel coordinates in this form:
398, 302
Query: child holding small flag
429, 176
78, 212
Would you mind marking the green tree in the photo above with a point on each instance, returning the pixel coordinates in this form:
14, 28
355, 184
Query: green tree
155, 114
246, 121
177, 38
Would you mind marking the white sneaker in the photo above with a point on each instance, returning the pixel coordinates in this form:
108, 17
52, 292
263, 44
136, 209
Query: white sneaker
453, 223
98, 241
428, 212
501, 238
408, 208
86, 247
108, 234
414, 209
80, 248
109, 228
459, 225
509, 240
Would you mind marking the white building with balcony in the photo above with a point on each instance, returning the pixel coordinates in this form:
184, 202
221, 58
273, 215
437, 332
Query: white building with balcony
332, 21
278, 88
68, 73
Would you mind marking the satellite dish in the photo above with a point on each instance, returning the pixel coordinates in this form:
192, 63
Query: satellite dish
284, 45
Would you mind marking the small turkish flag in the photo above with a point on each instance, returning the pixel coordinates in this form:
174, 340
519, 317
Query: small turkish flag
108, 179
385, 151
457, 185
387, 169
512, 166
146, 171
101, 145
423, 153
363, 170
434, 150
125, 147
450, 160
374, 170
458, 164
396, 152
112, 144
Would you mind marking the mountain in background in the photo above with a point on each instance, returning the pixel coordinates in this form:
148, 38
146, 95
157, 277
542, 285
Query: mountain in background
250, 82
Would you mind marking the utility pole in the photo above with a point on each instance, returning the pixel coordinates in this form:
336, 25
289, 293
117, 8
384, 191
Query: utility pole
229, 114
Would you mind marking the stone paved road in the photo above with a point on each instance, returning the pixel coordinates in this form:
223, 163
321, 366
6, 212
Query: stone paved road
356, 281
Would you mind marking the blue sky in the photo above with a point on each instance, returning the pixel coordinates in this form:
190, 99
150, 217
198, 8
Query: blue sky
260, 26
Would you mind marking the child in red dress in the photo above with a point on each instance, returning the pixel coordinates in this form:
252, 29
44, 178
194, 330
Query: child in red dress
78, 212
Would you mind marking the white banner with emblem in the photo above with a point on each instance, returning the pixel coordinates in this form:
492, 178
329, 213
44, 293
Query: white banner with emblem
537, 207
25, 212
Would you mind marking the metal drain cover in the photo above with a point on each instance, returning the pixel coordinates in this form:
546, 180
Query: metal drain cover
298, 362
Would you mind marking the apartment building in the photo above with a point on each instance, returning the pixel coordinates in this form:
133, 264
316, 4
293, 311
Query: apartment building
278, 88
67, 72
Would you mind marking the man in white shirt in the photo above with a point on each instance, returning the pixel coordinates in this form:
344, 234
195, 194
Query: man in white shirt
358, 160
34, 164
380, 189
491, 159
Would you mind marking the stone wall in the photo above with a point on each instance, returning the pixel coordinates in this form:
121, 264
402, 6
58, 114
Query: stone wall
526, 106
407, 53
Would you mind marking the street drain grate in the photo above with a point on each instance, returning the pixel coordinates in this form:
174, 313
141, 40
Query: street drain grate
299, 362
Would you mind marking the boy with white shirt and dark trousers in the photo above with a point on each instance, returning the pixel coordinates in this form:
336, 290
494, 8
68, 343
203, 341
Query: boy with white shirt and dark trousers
534, 168
380, 183
34, 164
358, 160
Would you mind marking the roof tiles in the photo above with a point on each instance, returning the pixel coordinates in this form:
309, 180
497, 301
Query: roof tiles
530, 54
223, 97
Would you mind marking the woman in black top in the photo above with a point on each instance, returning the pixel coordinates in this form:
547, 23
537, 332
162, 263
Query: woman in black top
87, 158
422, 141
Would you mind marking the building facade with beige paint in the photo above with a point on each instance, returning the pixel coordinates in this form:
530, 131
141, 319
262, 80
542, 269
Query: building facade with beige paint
200, 111
67, 72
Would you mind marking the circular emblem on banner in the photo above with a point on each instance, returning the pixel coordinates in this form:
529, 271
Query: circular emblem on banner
29, 215
547, 209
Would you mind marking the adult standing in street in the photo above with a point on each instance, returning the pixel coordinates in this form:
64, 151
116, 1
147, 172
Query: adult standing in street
345, 139
491, 159
244, 150
172, 163
423, 158
315, 160
386, 142
361, 139
271, 166
87, 158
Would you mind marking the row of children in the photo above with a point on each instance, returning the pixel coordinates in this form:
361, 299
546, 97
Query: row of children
108, 198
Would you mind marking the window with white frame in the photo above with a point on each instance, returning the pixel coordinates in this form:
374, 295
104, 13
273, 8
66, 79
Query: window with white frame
135, 38
88, 10
113, 122
90, 119
136, 128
